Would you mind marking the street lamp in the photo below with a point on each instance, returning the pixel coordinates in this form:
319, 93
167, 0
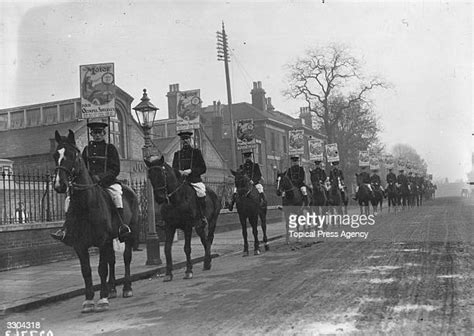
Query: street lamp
145, 112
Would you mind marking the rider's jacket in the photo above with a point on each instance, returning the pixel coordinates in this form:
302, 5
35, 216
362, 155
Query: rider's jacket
411, 179
103, 161
402, 179
252, 170
335, 173
190, 158
296, 175
391, 178
319, 174
375, 179
363, 177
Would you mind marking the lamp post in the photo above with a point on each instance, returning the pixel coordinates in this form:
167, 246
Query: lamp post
145, 112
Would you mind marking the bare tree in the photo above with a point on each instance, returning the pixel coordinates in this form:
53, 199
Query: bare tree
322, 77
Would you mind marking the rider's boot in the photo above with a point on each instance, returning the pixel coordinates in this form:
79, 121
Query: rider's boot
124, 230
232, 202
305, 200
202, 212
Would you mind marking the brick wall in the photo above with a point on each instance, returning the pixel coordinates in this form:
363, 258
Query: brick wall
30, 244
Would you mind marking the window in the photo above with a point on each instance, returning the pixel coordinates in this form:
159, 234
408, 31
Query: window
116, 135
33, 117
3, 121
159, 130
50, 115
17, 119
66, 112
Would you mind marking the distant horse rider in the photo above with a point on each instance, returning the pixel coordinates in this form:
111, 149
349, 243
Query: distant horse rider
297, 177
336, 176
190, 164
391, 177
363, 178
319, 172
401, 178
376, 181
103, 162
252, 170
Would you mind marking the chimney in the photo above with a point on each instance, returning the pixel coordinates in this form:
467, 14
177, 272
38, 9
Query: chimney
258, 96
270, 107
305, 117
173, 101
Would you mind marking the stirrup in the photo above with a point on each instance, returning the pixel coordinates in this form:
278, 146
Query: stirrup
59, 235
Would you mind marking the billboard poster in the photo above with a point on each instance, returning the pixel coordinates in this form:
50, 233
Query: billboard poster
245, 134
316, 149
364, 159
332, 153
97, 83
189, 106
296, 144
374, 163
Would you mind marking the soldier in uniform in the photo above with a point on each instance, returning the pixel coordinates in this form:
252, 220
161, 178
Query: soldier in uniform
297, 177
190, 164
391, 177
252, 170
103, 163
336, 175
410, 177
401, 178
319, 172
363, 178
375, 180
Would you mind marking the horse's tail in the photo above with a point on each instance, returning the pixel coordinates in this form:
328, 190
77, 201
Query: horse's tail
132, 199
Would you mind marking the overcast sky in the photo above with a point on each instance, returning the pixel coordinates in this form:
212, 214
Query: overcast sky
423, 48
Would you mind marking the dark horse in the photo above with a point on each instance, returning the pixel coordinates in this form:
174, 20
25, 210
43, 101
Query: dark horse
291, 196
336, 197
91, 220
404, 194
393, 196
377, 200
179, 210
364, 196
320, 198
249, 207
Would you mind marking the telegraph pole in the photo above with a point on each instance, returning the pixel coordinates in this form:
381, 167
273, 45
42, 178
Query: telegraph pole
223, 55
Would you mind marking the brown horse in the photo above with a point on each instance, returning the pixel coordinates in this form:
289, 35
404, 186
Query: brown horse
179, 210
91, 220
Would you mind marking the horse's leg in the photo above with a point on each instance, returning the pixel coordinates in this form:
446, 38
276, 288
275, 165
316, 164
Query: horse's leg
83, 254
127, 260
170, 230
104, 257
254, 223
263, 219
111, 283
206, 243
243, 225
188, 273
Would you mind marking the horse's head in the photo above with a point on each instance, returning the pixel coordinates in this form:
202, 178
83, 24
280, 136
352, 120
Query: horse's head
242, 181
162, 177
283, 184
68, 160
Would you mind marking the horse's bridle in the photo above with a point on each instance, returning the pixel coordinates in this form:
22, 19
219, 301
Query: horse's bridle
165, 185
72, 174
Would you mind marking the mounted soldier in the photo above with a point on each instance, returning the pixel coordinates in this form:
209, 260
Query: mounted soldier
336, 177
297, 177
363, 178
103, 162
402, 179
376, 181
190, 164
391, 177
319, 173
252, 170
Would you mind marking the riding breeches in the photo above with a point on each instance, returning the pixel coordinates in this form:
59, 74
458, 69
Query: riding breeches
115, 191
368, 186
258, 186
200, 189
304, 191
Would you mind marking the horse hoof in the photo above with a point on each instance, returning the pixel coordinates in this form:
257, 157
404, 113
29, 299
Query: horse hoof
112, 293
168, 278
256, 252
188, 275
267, 247
127, 293
88, 306
246, 254
102, 305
